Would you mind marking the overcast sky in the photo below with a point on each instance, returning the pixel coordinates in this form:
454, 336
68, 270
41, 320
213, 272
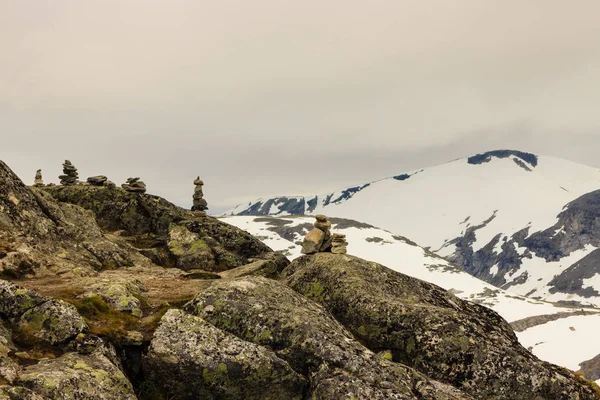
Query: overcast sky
270, 97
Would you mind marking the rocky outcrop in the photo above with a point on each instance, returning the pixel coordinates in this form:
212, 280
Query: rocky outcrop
189, 355
425, 327
70, 174
134, 185
266, 313
18, 393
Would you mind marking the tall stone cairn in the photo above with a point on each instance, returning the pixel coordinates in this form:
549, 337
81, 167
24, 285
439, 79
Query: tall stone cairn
70, 174
199, 203
38, 181
339, 244
319, 239
134, 185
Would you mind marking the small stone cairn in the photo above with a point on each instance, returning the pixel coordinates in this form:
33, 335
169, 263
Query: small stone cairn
319, 239
134, 185
339, 244
100, 180
199, 203
70, 174
38, 181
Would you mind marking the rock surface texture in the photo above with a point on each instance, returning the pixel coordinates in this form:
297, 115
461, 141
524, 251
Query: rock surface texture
429, 329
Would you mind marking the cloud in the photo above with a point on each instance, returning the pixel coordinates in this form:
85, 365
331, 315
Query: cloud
270, 97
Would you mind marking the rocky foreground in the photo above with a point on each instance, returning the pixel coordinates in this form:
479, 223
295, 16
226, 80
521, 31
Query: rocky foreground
110, 294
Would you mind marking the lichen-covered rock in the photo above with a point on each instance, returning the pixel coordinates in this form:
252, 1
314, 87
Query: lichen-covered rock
265, 312
426, 327
52, 322
189, 356
15, 300
18, 393
118, 295
191, 251
77, 377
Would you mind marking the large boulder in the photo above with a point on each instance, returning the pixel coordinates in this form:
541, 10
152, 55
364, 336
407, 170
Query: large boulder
53, 322
267, 313
426, 327
76, 377
189, 355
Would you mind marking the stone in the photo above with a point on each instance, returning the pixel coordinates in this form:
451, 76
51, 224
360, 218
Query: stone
313, 241
52, 322
76, 376
38, 181
319, 239
189, 355
339, 244
199, 204
99, 180
70, 174
134, 185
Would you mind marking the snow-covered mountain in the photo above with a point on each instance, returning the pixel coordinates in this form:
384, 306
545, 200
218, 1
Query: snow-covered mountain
556, 333
517, 220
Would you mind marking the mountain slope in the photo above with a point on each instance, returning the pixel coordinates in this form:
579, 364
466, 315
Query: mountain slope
495, 214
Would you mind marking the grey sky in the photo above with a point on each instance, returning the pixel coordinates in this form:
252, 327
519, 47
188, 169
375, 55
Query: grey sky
271, 97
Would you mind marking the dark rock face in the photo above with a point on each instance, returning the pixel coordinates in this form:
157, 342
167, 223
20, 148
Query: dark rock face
578, 225
425, 327
486, 157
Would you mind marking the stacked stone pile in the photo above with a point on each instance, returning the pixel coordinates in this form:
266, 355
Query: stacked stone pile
199, 203
38, 181
99, 180
134, 185
339, 244
70, 174
319, 239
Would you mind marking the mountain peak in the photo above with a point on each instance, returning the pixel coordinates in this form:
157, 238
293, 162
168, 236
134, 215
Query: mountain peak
522, 159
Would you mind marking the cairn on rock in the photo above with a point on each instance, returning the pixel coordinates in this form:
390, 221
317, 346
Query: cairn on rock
199, 203
99, 180
70, 174
339, 244
38, 181
134, 185
319, 239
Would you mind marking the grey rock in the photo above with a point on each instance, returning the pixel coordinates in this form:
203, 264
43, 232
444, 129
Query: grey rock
77, 377
189, 355
52, 322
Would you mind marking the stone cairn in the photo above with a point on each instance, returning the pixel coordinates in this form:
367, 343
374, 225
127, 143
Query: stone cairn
339, 244
70, 174
134, 185
319, 239
199, 203
100, 180
38, 181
